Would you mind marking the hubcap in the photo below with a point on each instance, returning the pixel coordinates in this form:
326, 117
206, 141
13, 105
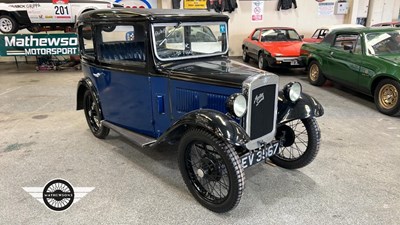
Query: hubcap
244, 54
314, 72
260, 62
388, 96
6, 24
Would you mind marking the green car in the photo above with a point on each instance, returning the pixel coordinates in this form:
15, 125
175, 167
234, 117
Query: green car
364, 59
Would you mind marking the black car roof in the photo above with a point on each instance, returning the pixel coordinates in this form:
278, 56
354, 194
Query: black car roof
156, 15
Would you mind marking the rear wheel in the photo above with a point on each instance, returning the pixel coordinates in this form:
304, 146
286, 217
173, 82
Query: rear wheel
211, 170
94, 116
386, 97
301, 139
8, 25
245, 57
315, 76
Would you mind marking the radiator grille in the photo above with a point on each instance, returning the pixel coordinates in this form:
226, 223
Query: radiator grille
262, 111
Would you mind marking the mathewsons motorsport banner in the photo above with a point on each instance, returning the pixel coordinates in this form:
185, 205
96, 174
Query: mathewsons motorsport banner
38, 44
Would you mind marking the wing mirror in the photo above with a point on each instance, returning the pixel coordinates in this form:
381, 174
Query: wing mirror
302, 36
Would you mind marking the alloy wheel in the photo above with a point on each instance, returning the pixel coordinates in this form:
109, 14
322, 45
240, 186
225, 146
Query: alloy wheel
388, 96
6, 24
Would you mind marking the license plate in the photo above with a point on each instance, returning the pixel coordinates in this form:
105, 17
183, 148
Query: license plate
294, 63
253, 158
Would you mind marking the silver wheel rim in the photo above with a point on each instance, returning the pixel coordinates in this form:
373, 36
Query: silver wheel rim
5, 25
260, 62
244, 54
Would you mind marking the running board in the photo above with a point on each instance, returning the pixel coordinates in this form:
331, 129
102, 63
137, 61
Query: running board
142, 141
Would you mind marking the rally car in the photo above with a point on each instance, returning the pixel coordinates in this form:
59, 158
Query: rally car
35, 14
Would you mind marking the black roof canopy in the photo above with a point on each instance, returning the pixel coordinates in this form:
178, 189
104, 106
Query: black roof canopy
155, 15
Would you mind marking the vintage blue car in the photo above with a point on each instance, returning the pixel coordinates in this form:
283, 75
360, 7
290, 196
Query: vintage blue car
165, 76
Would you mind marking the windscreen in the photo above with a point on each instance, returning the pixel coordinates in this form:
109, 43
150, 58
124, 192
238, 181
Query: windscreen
188, 40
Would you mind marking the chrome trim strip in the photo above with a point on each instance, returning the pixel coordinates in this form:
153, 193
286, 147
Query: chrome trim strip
250, 84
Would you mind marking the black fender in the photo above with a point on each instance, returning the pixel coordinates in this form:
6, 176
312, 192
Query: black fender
83, 85
214, 121
305, 107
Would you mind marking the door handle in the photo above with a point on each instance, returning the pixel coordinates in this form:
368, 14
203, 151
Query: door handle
98, 74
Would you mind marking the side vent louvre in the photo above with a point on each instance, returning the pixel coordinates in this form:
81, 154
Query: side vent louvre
187, 100
217, 102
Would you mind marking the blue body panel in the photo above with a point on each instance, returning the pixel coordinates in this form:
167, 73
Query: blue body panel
125, 98
149, 105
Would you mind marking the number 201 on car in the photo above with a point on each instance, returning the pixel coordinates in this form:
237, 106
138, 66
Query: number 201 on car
62, 11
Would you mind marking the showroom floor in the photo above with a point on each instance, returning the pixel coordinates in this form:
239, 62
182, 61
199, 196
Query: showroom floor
354, 179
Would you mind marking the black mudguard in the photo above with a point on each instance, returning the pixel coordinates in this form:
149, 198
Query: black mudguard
83, 85
303, 108
214, 121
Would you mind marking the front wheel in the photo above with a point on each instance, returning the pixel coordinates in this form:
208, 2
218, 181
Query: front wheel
387, 97
94, 116
262, 63
8, 25
300, 143
211, 170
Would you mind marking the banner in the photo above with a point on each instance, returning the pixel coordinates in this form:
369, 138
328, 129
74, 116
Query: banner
39, 44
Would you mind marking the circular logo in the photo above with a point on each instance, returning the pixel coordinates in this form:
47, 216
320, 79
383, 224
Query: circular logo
58, 195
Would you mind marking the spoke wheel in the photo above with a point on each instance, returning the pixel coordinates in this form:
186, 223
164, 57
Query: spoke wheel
300, 143
8, 24
93, 115
211, 170
315, 76
387, 97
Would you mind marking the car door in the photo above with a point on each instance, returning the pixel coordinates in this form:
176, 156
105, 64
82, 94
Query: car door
342, 63
253, 44
121, 77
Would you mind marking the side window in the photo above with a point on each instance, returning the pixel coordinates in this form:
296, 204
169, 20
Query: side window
86, 40
256, 35
343, 40
358, 48
124, 44
316, 34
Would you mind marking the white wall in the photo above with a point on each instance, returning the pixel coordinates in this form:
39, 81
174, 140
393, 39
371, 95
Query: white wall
304, 19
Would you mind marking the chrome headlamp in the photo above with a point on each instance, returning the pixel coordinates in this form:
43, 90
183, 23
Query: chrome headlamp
292, 91
236, 105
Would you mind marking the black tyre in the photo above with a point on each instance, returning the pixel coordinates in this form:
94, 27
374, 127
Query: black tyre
94, 116
386, 97
301, 140
211, 169
8, 25
245, 57
262, 63
315, 76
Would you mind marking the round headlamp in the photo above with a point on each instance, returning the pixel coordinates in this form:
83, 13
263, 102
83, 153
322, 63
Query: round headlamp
236, 104
293, 91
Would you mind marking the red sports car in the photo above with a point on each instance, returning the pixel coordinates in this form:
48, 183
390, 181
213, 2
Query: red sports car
273, 47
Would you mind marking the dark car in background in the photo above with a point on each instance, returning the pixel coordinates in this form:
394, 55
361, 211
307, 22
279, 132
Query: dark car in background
165, 76
364, 59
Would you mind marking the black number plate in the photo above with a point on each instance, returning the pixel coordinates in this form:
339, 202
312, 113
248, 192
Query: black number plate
253, 158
